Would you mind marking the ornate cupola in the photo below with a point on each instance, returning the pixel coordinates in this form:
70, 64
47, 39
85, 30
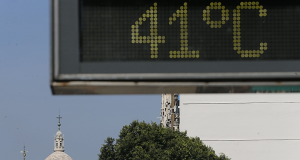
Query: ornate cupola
59, 148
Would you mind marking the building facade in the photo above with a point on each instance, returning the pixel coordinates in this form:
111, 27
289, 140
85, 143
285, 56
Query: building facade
170, 112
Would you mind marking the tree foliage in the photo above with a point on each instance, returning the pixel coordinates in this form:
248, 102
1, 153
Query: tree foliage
143, 141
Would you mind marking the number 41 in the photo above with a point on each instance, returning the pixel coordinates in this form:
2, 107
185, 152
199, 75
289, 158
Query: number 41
154, 39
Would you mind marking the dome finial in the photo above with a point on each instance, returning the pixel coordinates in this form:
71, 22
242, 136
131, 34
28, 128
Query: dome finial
59, 139
59, 117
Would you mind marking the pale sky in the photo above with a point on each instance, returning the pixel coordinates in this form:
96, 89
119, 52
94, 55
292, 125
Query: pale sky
28, 110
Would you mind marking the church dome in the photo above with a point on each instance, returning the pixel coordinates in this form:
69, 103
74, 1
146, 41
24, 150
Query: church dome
58, 156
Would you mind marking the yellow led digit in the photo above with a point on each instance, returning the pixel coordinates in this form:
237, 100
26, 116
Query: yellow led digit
237, 30
184, 52
153, 39
215, 24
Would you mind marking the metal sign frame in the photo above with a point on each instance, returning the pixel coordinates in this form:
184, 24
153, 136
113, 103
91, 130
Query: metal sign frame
70, 76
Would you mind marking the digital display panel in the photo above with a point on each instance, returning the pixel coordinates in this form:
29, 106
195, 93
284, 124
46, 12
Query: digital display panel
161, 30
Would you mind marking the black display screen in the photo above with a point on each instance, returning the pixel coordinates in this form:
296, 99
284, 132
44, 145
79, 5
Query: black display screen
161, 30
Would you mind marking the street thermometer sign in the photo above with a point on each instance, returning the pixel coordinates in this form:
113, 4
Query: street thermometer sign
179, 46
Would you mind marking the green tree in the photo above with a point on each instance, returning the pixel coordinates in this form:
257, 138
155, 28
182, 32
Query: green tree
143, 141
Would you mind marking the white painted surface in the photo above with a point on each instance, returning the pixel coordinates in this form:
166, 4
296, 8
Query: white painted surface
244, 116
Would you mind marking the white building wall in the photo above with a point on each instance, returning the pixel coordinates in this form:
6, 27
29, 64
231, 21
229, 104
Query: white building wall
244, 117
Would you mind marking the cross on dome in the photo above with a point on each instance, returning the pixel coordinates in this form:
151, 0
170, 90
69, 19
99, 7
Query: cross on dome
59, 117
